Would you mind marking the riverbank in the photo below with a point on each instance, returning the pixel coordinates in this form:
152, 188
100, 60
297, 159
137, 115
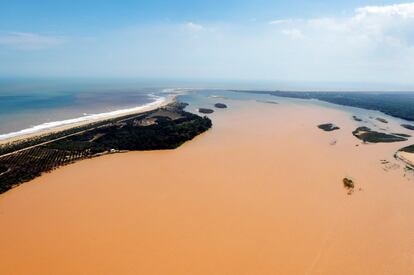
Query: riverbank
231, 201
163, 128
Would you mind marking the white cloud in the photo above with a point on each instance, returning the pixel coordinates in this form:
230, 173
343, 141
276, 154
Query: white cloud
24, 40
280, 21
194, 27
383, 24
374, 44
399, 10
375, 26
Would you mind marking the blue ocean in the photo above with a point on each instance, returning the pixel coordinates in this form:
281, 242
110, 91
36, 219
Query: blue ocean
29, 105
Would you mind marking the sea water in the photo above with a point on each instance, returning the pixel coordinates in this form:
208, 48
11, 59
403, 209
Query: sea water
30, 106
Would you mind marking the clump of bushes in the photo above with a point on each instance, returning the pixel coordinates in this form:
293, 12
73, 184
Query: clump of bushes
220, 105
348, 183
328, 127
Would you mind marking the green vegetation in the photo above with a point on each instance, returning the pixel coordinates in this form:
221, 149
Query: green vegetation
164, 128
383, 120
205, 111
220, 105
328, 127
367, 135
12, 147
3, 169
397, 104
268, 101
357, 118
348, 183
408, 149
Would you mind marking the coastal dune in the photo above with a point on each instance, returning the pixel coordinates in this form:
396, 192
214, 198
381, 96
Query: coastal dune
260, 193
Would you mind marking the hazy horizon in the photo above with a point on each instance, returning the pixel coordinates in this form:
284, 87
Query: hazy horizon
346, 45
15, 84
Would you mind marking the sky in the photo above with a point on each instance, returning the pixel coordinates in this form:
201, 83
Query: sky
366, 44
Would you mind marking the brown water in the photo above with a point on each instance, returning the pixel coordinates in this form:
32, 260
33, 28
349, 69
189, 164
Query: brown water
261, 193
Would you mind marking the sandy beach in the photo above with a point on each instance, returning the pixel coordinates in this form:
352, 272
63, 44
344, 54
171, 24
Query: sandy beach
49, 128
260, 193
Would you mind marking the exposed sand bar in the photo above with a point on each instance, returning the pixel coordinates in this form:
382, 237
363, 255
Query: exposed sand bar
407, 157
261, 193
51, 127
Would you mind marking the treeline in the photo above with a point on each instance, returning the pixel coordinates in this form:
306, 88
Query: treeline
18, 145
397, 104
408, 149
111, 136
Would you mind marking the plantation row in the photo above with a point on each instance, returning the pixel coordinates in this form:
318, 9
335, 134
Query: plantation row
115, 135
27, 165
15, 146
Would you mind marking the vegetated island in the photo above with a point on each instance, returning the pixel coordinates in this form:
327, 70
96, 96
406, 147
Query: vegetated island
267, 101
220, 105
357, 118
396, 104
408, 126
383, 120
328, 127
164, 128
205, 111
367, 135
406, 154
349, 185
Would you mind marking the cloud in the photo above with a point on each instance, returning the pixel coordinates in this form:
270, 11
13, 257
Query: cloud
398, 10
393, 24
280, 21
372, 44
194, 27
29, 41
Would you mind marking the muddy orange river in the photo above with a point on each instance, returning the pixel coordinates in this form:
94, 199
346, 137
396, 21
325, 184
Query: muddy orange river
260, 193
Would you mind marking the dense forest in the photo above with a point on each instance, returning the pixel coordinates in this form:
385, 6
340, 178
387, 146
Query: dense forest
397, 104
164, 128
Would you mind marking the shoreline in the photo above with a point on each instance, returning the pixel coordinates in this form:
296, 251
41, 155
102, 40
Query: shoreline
48, 128
163, 128
407, 158
249, 212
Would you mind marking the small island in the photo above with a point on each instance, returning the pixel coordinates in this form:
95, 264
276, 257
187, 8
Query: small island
205, 111
164, 128
220, 105
408, 126
328, 127
357, 118
383, 120
394, 104
349, 185
267, 101
367, 135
